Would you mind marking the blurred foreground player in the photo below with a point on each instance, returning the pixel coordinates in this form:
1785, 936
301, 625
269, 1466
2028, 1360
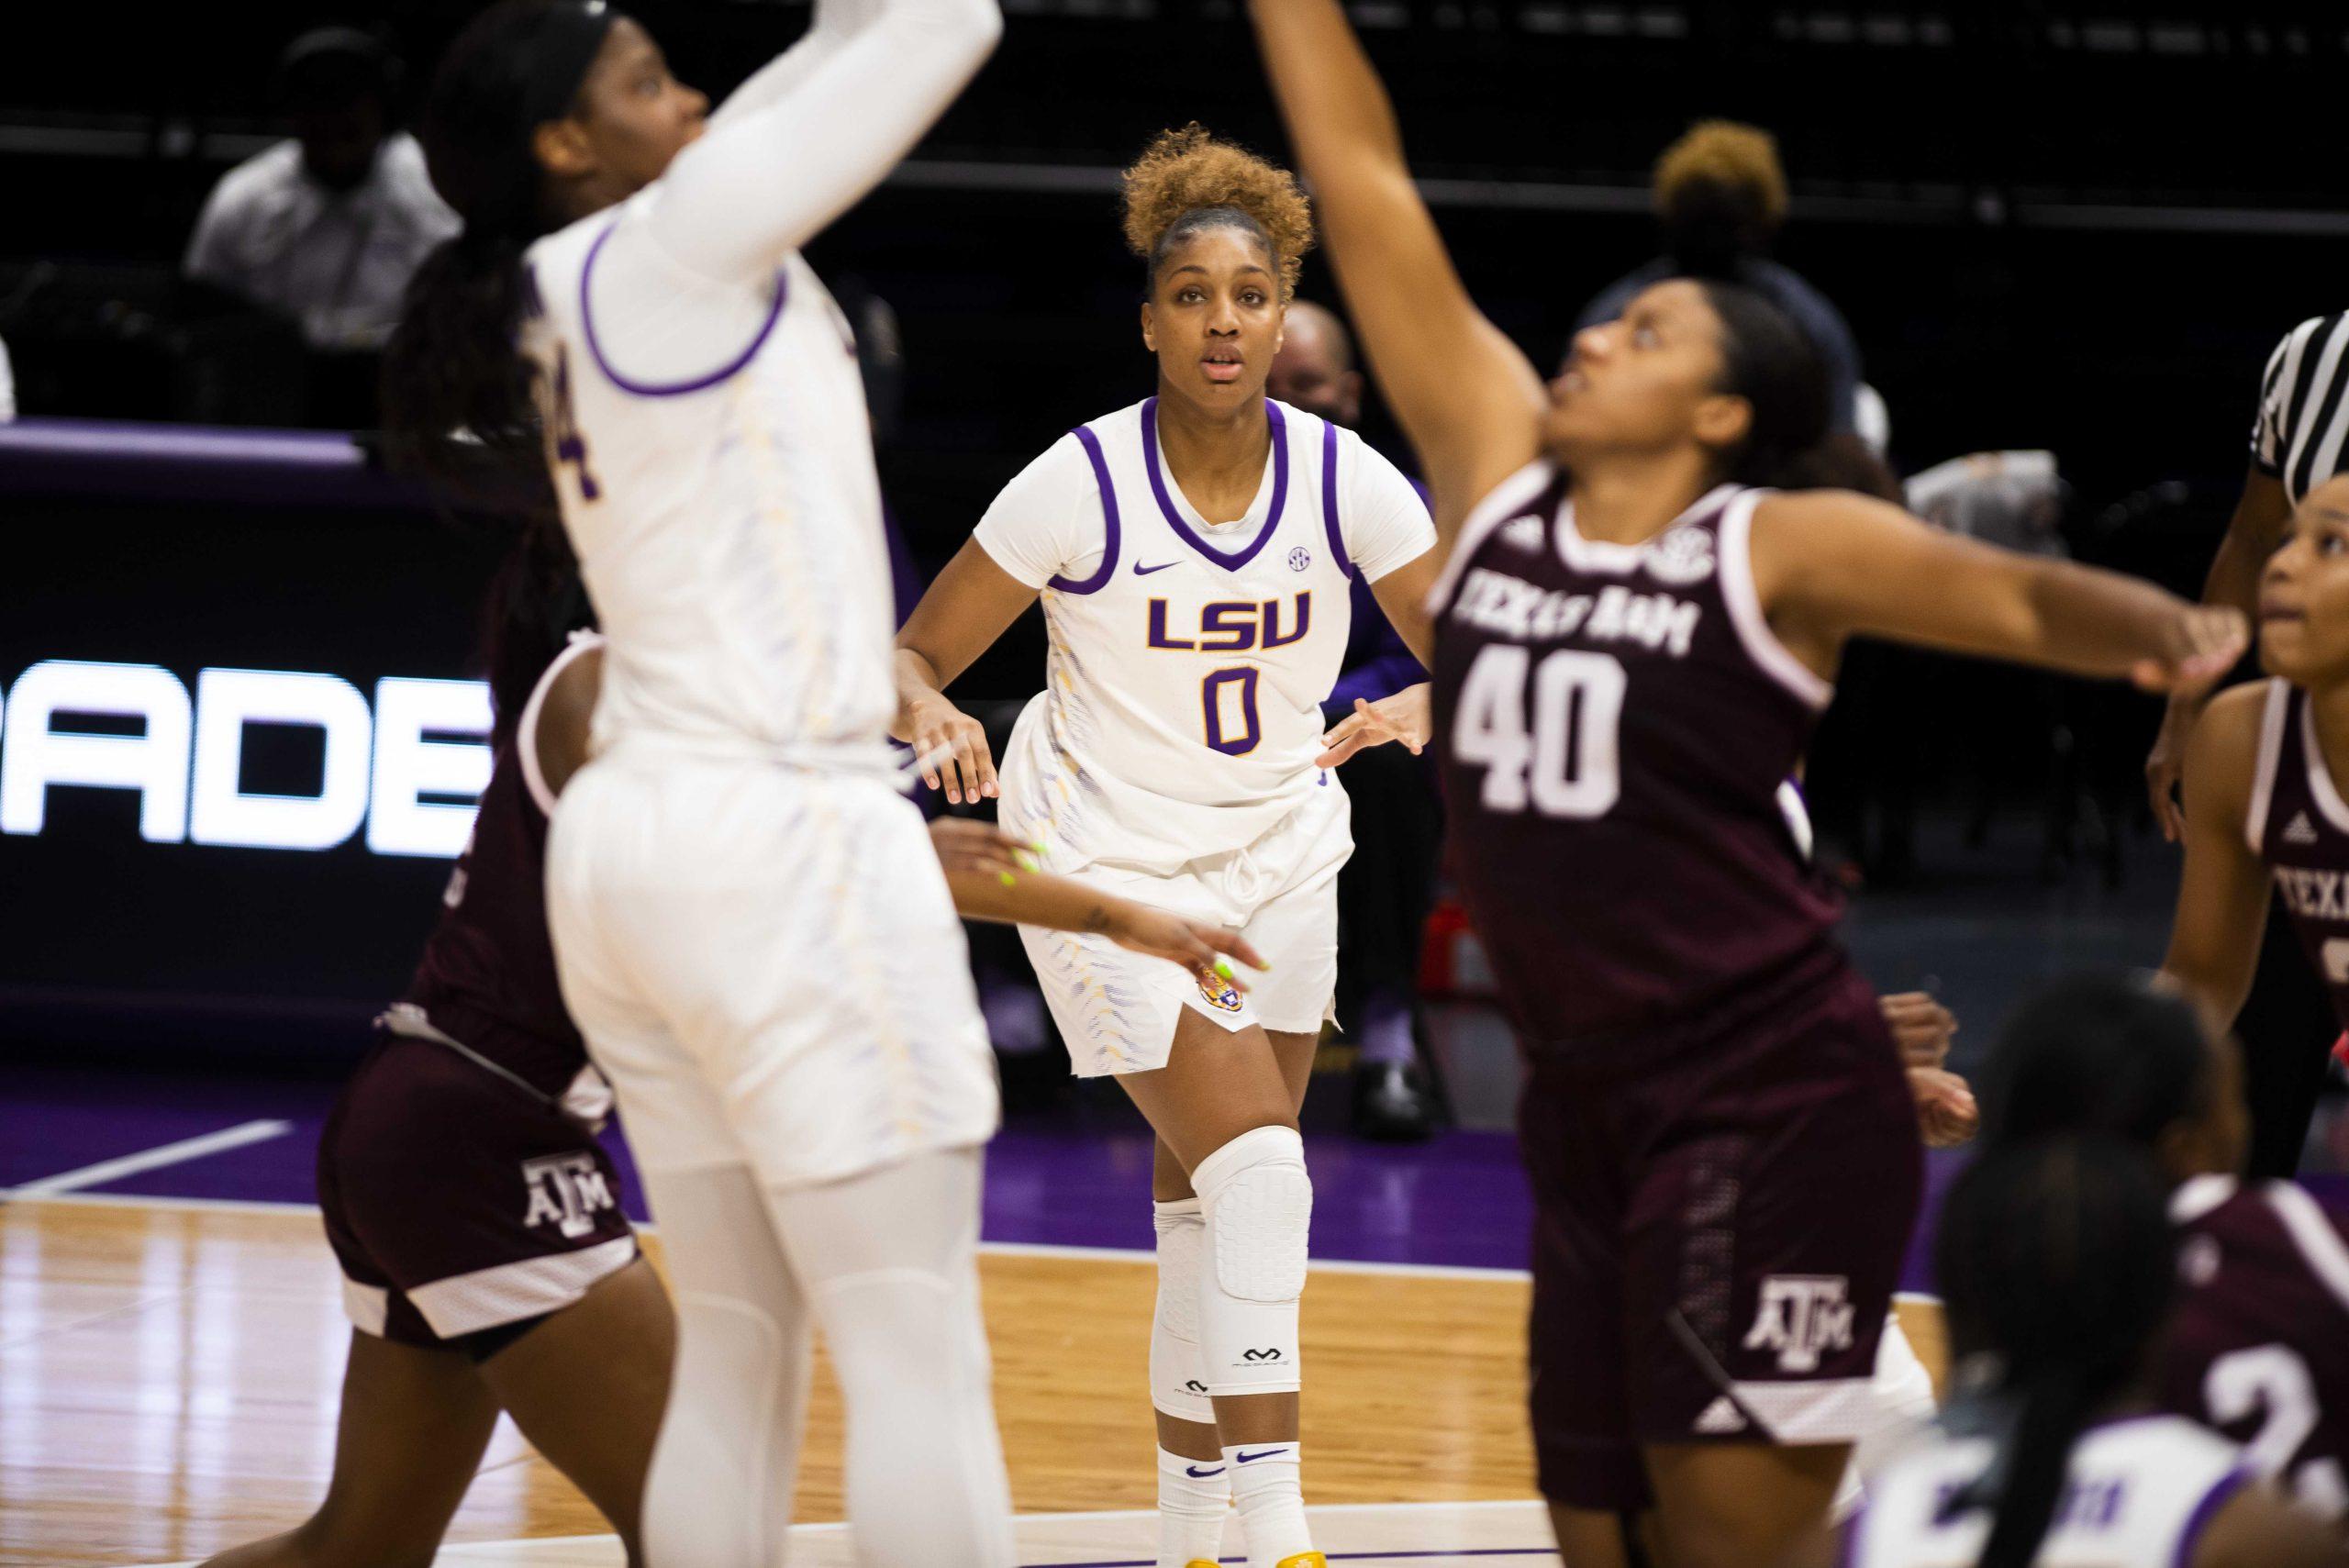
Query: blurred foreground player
494, 1270
1635, 638
2057, 1266
2258, 1345
749, 923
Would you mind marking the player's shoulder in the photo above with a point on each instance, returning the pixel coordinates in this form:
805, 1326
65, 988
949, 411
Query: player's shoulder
2224, 744
557, 261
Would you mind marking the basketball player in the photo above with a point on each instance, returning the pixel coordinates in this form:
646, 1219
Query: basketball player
1634, 642
2258, 1345
1194, 553
2296, 446
2263, 804
494, 1270
2058, 1267
749, 922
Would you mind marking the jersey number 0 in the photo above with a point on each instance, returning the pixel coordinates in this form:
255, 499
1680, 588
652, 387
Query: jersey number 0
1546, 733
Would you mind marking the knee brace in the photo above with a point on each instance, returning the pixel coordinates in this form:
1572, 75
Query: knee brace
1258, 1206
1178, 1377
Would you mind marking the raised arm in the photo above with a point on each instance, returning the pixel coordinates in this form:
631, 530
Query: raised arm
2223, 894
769, 178
1461, 391
1829, 565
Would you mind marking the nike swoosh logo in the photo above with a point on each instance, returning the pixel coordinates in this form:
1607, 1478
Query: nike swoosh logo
1260, 1453
1195, 1470
1142, 571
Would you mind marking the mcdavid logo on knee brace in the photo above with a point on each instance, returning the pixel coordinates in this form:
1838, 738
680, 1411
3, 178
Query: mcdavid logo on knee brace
1270, 1355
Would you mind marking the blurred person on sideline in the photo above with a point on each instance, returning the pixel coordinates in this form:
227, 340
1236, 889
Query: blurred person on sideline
326, 227
1385, 890
1720, 198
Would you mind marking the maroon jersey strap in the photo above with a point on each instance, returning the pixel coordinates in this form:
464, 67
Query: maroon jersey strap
2273, 722
1526, 492
2315, 1233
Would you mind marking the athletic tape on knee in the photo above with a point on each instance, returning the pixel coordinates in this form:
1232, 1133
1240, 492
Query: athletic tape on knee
1259, 1203
1177, 1378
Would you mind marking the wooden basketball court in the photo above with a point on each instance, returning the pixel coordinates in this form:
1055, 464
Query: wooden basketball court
170, 1371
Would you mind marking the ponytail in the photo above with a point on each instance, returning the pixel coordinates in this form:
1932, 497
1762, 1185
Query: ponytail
457, 404
2057, 1268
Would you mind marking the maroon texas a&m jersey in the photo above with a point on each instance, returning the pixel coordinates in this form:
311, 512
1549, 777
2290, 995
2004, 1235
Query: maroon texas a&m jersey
487, 978
2259, 1345
1615, 723
2299, 826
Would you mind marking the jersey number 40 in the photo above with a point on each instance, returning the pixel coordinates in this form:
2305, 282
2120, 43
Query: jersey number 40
1546, 733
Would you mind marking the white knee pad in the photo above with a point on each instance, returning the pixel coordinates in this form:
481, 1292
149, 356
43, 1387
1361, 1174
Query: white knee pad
1178, 1377
1259, 1204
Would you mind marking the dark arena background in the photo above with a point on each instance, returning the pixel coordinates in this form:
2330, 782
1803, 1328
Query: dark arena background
243, 725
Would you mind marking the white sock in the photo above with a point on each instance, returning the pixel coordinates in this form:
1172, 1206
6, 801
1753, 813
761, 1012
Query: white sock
1267, 1489
1192, 1496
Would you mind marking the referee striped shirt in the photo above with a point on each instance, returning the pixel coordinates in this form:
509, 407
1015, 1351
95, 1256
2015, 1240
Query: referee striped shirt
2304, 406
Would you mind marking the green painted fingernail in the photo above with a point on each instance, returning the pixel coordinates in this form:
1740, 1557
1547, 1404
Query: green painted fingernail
1028, 859
1007, 878
1224, 969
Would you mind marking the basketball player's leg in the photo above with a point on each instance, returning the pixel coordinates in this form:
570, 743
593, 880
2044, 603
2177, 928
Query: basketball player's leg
1193, 1488
414, 1425
1729, 1505
588, 1384
888, 1259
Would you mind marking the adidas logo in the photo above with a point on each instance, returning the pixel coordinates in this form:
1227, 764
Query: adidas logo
1721, 1416
1525, 533
2300, 831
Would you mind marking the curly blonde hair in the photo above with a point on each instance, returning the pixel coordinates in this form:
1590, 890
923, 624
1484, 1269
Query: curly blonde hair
1186, 181
1729, 157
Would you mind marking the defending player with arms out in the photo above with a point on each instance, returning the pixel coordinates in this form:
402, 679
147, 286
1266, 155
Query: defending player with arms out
2057, 1266
749, 922
1635, 638
1192, 554
2258, 1344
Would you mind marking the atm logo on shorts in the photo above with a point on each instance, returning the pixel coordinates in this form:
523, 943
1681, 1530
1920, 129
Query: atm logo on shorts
1219, 994
1802, 1317
568, 1190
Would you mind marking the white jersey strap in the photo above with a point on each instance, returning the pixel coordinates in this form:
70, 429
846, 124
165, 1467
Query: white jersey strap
1329, 521
526, 731
2271, 751
1110, 528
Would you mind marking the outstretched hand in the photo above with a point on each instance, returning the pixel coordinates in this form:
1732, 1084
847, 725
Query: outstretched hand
1408, 717
2206, 642
979, 848
1946, 1113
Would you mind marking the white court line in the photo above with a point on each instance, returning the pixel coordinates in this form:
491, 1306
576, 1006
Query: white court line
1001, 1248
186, 1149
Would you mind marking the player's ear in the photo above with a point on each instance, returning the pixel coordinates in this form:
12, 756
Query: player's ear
562, 148
1149, 333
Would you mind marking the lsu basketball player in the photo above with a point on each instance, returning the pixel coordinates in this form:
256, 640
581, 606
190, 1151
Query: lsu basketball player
2058, 1269
1634, 639
1194, 553
751, 928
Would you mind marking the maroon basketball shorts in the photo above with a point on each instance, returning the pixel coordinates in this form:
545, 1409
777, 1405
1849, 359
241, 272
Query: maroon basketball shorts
1718, 1231
460, 1205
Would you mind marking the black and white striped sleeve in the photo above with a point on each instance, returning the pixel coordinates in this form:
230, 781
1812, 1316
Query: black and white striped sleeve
2304, 406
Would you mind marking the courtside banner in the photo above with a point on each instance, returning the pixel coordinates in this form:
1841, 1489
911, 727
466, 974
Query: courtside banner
240, 740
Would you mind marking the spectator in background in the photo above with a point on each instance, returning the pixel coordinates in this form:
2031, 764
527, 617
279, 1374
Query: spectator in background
1720, 196
1385, 890
327, 227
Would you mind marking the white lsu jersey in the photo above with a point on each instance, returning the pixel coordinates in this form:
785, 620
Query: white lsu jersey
1188, 661
2137, 1493
723, 505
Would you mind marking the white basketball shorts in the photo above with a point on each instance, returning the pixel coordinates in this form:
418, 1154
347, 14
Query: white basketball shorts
767, 965
1118, 1010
